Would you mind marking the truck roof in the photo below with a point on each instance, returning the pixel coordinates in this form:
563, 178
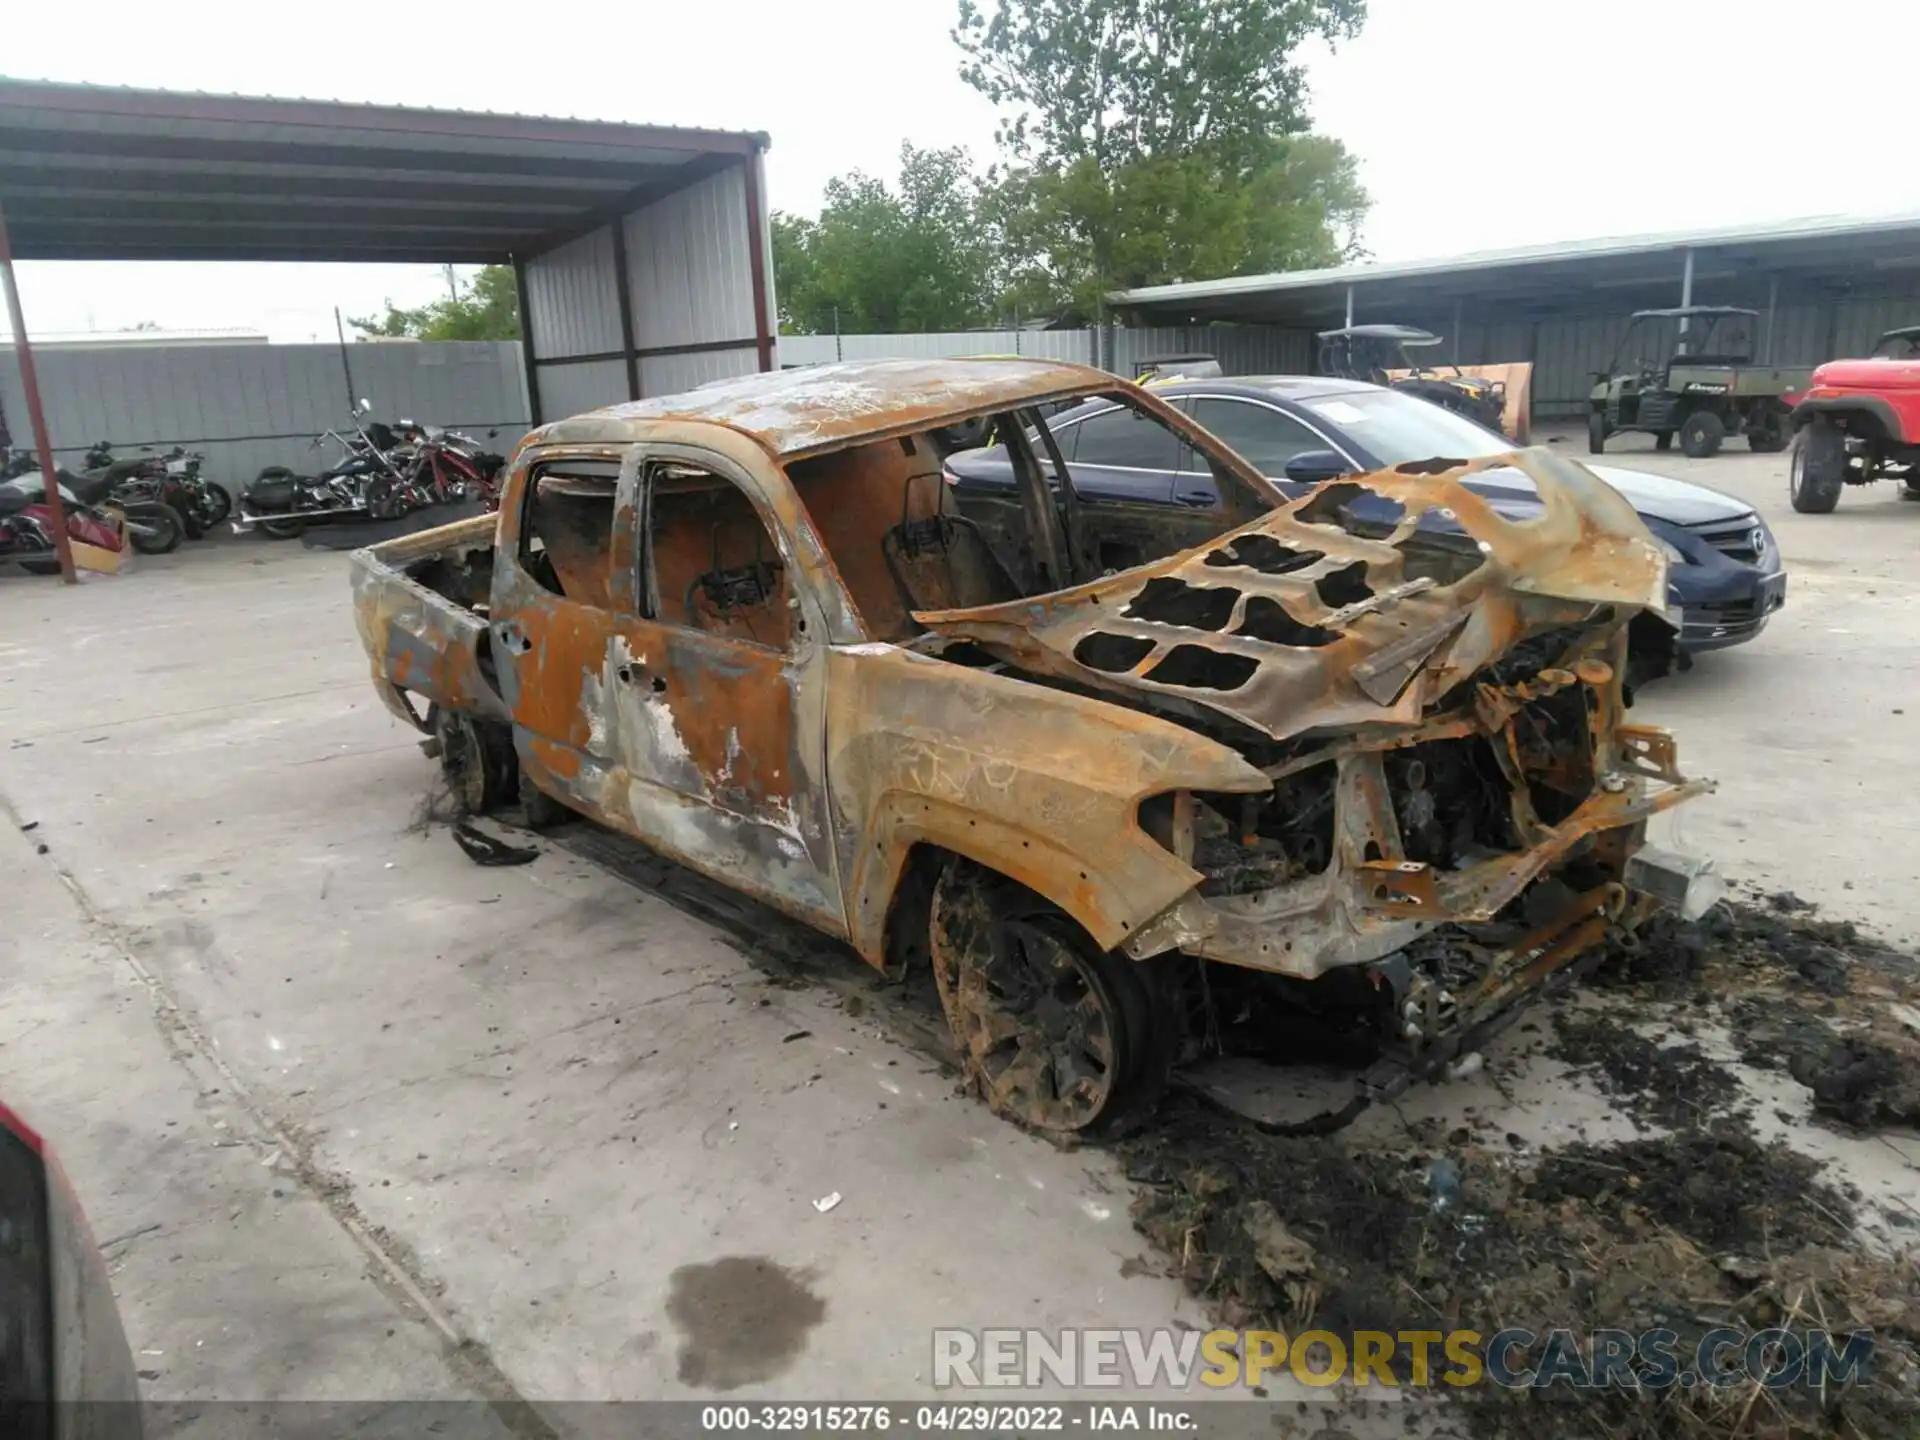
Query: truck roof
825, 407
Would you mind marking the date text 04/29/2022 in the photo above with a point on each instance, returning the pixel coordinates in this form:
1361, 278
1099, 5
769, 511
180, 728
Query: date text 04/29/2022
961, 1416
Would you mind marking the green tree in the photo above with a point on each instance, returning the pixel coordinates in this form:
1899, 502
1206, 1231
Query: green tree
1148, 141
487, 307
911, 258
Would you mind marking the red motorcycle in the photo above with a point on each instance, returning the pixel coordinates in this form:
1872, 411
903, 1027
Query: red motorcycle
27, 526
448, 466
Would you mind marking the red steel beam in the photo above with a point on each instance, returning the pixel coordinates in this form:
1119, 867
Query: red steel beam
757, 262
36, 415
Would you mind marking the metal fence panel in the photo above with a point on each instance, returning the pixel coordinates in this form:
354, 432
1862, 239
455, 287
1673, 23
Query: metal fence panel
250, 406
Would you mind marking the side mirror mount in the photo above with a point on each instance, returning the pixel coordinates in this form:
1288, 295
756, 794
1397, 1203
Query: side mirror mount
1310, 467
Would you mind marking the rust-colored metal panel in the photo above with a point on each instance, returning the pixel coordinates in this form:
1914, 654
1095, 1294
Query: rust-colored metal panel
1299, 621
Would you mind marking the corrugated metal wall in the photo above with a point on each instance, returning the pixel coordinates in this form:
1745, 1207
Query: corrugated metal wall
1567, 351
690, 281
689, 269
1240, 349
574, 304
249, 406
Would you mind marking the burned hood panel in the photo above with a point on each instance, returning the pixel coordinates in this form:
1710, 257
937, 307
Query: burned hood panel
1299, 621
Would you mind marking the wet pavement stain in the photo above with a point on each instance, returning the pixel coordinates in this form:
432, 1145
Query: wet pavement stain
742, 1319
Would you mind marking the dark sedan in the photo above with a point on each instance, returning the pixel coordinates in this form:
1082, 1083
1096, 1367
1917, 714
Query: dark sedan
1726, 576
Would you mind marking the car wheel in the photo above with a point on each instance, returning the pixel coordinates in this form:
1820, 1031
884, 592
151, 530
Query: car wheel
1663, 440
1053, 1033
1818, 469
1701, 434
1596, 433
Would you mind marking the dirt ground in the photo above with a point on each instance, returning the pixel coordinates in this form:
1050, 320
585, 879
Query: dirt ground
358, 1119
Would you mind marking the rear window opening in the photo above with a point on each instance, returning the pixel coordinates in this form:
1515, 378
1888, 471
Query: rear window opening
566, 530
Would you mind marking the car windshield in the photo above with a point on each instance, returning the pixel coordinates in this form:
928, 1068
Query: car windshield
1397, 428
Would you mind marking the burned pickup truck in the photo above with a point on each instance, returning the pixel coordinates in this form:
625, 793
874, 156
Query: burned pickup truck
1122, 775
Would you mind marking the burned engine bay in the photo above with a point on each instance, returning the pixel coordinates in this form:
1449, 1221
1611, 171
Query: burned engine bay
1437, 705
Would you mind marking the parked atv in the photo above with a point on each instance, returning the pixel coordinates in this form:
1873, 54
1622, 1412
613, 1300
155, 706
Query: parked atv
1690, 372
1379, 353
1859, 422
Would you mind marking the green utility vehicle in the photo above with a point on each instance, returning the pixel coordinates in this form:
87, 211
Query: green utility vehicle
1690, 372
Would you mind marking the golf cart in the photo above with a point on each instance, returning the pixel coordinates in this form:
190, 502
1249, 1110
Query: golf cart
1689, 371
1859, 422
1374, 353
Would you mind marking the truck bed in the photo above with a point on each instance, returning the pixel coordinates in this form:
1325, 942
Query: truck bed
420, 602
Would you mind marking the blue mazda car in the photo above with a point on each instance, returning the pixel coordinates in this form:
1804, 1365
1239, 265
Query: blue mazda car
1725, 576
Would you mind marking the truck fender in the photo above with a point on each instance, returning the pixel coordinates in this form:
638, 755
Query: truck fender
1883, 421
1106, 901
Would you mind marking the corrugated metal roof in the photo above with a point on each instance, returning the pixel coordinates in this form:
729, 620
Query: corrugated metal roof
1623, 258
110, 172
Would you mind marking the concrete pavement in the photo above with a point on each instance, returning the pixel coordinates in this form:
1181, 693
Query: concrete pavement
358, 1118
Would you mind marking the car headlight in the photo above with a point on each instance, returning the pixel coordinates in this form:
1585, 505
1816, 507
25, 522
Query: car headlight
1672, 551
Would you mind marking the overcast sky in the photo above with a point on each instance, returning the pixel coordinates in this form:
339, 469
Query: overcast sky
1504, 122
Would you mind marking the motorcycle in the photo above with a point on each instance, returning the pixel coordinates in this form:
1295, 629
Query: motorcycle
153, 527
385, 472
449, 466
171, 479
27, 524
365, 483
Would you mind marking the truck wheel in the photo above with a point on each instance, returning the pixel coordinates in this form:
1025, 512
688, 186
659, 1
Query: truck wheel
1663, 439
477, 758
543, 812
1818, 469
1596, 433
1052, 1033
1701, 434
1768, 436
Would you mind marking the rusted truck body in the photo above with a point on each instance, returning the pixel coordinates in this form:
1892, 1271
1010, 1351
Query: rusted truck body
1078, 755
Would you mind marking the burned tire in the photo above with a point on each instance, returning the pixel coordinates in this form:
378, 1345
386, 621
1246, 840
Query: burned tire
1663, 440
1053, 1033
477, 759
1818, 470
1701, 434
542, 811
1596, 433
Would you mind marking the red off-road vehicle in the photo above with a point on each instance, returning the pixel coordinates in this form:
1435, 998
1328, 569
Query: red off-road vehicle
1859, 422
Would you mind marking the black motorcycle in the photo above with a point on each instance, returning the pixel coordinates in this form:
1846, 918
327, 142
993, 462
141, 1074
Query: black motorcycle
365, 483
171, 479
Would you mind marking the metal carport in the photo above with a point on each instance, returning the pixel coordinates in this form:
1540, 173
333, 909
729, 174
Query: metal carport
642, 253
